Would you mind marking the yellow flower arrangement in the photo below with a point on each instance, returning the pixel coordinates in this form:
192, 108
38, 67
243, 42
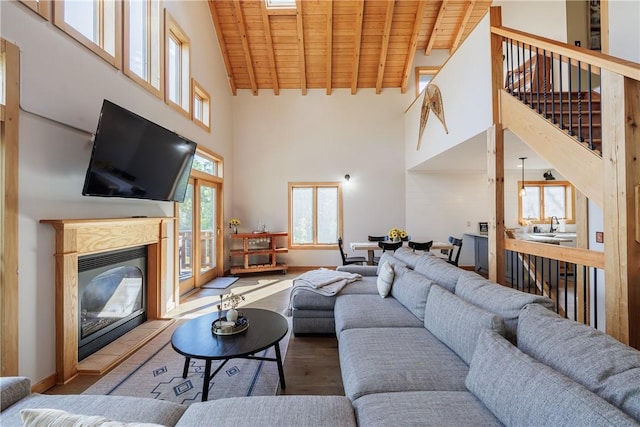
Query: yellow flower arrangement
234, 221
397, 233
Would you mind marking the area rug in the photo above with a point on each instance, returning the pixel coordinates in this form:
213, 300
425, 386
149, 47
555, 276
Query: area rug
220, 283
155, 371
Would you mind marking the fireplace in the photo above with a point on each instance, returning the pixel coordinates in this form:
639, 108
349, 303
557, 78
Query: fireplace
111, 297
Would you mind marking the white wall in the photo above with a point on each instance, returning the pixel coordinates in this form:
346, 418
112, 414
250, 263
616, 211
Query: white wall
289, 138
63, 80
624, 29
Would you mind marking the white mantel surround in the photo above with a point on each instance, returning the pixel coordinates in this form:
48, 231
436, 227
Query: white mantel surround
76, 237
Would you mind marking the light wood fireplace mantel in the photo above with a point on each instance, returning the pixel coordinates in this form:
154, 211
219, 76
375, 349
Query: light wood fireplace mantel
77, 237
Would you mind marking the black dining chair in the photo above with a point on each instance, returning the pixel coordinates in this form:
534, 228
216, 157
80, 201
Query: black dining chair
346, 260
457, 243
420, 246
386, 246
377, 238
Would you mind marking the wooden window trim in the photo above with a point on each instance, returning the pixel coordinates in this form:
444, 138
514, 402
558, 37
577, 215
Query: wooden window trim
116, 58
570, 201
156, 91
315, 186
171, 28
198, 90
9, 143
41, 7
431, 71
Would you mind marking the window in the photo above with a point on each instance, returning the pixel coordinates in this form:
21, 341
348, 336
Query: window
280, 4
201, 106
142, 44
207, 163
544, 199
97, 24
315, 214
424, 76
177, 71
41, 7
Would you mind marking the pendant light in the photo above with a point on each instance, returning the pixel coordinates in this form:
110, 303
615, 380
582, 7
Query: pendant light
522, 190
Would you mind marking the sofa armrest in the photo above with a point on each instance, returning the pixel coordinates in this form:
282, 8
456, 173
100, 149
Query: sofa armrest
13, 389
364, 270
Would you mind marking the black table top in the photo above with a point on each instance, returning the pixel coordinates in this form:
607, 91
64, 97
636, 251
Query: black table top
194, 339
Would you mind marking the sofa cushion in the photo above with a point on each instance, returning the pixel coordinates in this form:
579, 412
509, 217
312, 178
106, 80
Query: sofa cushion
305, 298
411, 290
385, 279
440, 271
457, 323
407, 256
378, 360
281, 411
371, 311
505, 302
522, 391
388, 257
124, 409
588, 356
12, 389
60, 418
423, 408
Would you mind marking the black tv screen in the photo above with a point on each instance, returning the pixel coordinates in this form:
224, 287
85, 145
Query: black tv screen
135, 158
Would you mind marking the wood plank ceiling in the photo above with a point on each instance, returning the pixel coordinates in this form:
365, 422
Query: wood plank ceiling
329, 44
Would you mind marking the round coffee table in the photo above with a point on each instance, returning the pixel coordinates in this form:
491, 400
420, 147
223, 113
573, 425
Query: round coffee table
194, 340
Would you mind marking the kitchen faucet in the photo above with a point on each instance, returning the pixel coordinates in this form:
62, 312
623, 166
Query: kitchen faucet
551, 229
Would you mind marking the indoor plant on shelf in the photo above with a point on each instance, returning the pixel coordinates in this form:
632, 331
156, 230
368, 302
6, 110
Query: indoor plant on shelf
234, 223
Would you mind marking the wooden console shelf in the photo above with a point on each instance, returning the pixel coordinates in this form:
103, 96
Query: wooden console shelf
266, 245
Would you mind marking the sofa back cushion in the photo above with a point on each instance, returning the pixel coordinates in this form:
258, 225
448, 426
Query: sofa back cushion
407, 256
456, 322
521, 391
439, 270
588, 356
393, 261
505, 302
411, 290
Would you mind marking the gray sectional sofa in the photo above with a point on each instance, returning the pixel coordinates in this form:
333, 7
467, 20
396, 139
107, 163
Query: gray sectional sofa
446, 347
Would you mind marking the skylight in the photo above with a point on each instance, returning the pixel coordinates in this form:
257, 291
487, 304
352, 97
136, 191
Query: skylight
281, 4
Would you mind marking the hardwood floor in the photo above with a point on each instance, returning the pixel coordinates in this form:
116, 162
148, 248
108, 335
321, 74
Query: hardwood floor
311, 364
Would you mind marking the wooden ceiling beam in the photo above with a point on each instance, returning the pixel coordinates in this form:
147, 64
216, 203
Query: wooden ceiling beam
223, 46
413, 45
270, 53
245, 46
385, 45
436, 27
356, 47
300, 31
329, 56
463, 25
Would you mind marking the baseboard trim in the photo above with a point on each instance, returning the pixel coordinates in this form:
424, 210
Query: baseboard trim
44, 385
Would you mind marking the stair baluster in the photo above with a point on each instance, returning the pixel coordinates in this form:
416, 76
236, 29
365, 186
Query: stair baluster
571, 132
562, 126
553, 91
591, 145
531, 77
580, 137
544, 83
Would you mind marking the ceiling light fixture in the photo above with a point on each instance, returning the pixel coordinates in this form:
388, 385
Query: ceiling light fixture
522, 190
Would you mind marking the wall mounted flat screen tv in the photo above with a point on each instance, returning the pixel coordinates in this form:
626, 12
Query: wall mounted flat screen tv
133, 157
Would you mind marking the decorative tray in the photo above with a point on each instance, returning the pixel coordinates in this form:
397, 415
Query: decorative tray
223, 327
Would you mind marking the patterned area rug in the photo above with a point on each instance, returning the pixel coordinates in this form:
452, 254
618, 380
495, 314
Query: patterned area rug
155, 371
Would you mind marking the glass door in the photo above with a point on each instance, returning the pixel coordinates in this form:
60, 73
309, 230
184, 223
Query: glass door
209, 229
185, 241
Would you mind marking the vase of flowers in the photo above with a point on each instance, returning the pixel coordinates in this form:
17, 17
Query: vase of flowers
397, 234
233, 224
232, 302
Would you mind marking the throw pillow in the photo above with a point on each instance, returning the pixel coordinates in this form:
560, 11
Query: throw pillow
59, 418
385, 279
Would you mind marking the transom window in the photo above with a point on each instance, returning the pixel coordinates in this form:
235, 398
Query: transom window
423, 77
315, 214
142, 42
280, 4
207, 163
97, 24
543, 200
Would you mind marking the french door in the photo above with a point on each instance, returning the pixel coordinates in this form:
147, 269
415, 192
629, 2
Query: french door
199, 234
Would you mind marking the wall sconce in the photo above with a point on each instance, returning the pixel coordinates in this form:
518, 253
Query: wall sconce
548, 176
347, 177
522, 190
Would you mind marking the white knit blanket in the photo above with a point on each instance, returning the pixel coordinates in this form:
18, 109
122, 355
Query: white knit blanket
322, 281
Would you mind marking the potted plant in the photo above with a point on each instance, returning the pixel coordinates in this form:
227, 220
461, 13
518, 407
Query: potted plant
232, 302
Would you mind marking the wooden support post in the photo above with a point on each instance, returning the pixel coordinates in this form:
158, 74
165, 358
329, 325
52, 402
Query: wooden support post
495, 160
582, 241
621, 152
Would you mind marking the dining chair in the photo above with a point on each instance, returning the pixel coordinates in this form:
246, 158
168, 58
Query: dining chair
346, 260
377, 238
457, 243
420, 246
387, 246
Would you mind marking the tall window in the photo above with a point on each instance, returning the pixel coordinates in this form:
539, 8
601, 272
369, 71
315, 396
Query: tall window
201, 108
315, 214
544, 199
142, 43
97, 24
177, 70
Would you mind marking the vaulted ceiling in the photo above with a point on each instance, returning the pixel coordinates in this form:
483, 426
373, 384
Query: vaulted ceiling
331, 44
